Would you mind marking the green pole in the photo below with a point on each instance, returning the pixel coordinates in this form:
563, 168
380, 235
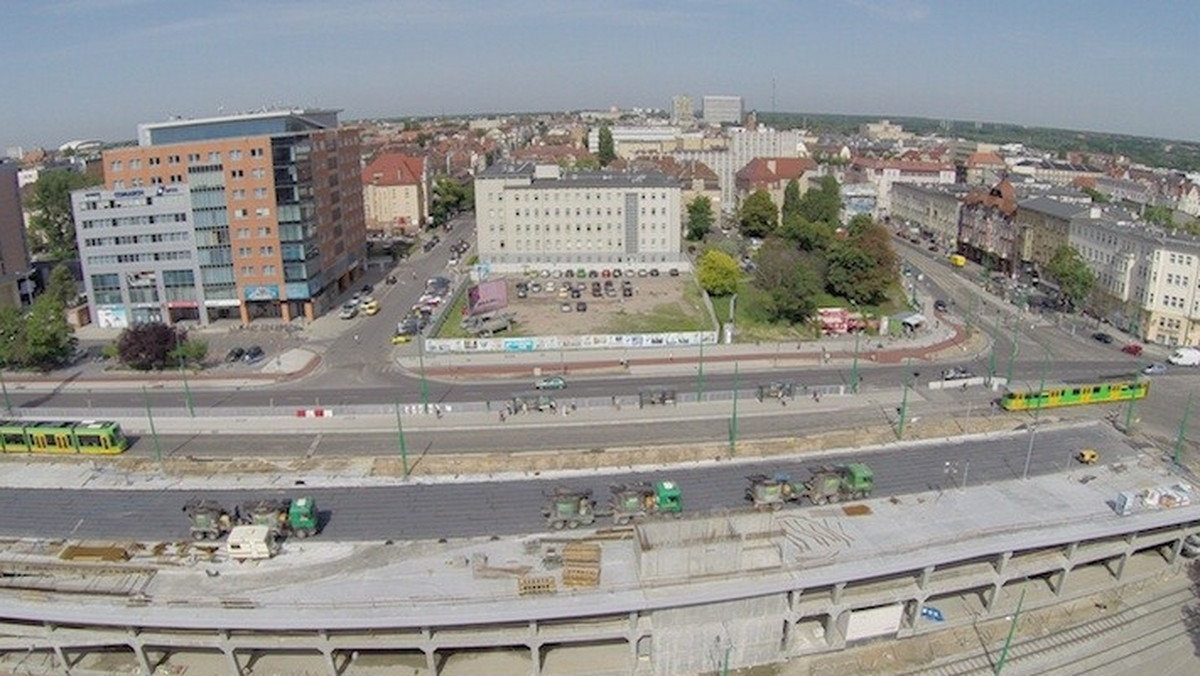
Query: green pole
1182, 429
4, 386
854, 366
992, 356
400, 439
153, 432
903, 403
733, 420
1012, 630
700, 374
1129, 408
424, 383
187, 392
1012, 356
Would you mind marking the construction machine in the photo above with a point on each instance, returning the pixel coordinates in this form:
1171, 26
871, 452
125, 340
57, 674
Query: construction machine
569, 508
638, 501
846, 482
209, 520
769, 493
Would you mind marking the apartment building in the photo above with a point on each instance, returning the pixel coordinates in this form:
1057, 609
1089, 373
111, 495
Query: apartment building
932, 209
773, 175
987, 230
683, 111
886, 173
1045, 225
272, 201
743, 146
1147, 281
722, 109
395, 194
14, 251
531, 215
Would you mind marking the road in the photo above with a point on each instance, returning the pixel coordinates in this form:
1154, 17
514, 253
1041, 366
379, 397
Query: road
502, 508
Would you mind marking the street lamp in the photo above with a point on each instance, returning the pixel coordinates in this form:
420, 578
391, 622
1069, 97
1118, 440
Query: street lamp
904, 400
400, 438
1037, 413
700, 374
424, 383
733, 420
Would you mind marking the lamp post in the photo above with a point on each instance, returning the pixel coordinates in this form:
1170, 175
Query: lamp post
187, 391
1012, 356
1132, 401
854, 365
400, 440
4, 386
1037, 414
1012, 630
153, 432
1187, 409
903, 402
733, 420
424, 383
700, 374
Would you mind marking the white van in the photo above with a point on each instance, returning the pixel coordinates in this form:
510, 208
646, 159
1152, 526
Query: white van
1185, 356
251, 543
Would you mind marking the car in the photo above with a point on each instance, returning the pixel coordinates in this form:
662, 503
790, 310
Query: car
522, 292
569, 273
616, 273
349, 311
581, 306
627, 292
536, 287
235, 355
551, 383
643, 272
1133, 348
367, 289
1191, 546
1155, 369
593, 274
558, 273
564, 292
653, 272
370, 308
576, 294
401, 338
940, 305
391, 279
1102, 337
956, 373
674, 272
254, 355
545, 273
550, 287
631, 272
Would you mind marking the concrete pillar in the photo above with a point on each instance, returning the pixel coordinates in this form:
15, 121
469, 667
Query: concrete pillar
1121, 565
535, 658
835, 633
139, 651
231, 659
285, 311
838, 590
330, 664
1072, 550
1002, 562
310, 312
1062, 581
1176, 550
244, 313
431, 662
990, 596
923, 579
61, 656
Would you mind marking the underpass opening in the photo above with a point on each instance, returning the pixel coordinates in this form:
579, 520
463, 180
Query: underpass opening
950, 607
511, 661
379, 662
590, 657
103, 659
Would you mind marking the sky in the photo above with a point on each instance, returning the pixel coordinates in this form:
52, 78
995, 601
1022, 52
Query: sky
80, 69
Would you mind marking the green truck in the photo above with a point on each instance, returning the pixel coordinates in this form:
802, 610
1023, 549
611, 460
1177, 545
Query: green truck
637, 501
851, 481
282, 516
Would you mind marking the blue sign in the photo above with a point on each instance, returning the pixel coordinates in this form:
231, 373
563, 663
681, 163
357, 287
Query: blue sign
261, 292
932, 613
519, 345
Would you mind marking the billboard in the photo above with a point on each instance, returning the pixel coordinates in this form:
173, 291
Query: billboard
488, 296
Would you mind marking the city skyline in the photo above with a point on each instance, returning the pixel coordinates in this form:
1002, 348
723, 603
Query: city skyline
96, 68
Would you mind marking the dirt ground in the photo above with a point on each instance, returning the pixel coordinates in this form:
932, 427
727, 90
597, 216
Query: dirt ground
662, 303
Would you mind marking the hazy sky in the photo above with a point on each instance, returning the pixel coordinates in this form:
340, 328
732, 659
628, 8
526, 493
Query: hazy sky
95, 68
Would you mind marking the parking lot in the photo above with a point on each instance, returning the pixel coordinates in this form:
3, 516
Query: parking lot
554, 304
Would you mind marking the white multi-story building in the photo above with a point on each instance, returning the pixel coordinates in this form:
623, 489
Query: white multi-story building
723, 109
540, 216
744, 146
683, 111
1147, 281
885, 173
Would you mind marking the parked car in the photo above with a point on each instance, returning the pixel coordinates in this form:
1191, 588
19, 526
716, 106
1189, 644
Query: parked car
956, 373
566, 307
370, 307
551, 383
940, 305
1133, 349
1102, 337
653, 272
349, 310
1155, 369
367, 289
581, 306
254, 355
235, 355
674, 272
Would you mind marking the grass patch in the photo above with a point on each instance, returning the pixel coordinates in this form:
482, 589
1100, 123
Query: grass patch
666, 318
450, 326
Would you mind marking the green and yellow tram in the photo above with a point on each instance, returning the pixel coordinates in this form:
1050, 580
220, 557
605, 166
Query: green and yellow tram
91, 437
1075, 395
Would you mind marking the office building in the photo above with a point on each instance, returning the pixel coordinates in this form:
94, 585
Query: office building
541, 216
722, 109
245, 217
683, 111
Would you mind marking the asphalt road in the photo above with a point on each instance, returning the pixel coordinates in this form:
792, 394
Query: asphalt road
502, 508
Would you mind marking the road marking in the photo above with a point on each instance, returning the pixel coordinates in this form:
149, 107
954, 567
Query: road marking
312, 448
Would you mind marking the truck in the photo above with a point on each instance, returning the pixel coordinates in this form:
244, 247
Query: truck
208, 519
1185, 356
851, 481
569, 508
281, 516
635, 502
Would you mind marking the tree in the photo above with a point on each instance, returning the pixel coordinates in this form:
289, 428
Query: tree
699, 218
758, 216
1097, 196
807, 235
1160, 215
12, 336
790, 279
189, 352
149, 346
718, 273
822, 204
791, 199
62, 286
859, 224
49, 339
1072, 273
52, 223
606, 150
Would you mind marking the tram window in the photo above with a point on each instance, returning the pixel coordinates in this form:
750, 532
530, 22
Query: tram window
15, 439
1075, 392
89, 440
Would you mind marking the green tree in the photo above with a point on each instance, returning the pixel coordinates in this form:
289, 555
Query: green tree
822, 204
807, 235
1160, 215
791, 200
149, 346
1072, 273
699, 218
449, 198
790, 280
606, 151
758, 216
189, 352
859, 224
49, 339
718, 273
62, 286
12, 336
1097, 196
51, 221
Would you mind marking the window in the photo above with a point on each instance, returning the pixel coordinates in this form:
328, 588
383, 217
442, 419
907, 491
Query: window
116, 165
247, 270
155, 161
243, 233
268, 270
237, 173
259, 173
243, 251
260, 193
235, 155
264, 231
172, 159
193, 158
135, 164
214, 157
262, 212
239, 194
266, 251
256, 152
239, 213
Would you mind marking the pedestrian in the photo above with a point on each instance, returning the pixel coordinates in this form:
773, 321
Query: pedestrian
503, 417
437, 410
356, 337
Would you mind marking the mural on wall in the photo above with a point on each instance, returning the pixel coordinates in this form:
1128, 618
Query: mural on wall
112, 317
